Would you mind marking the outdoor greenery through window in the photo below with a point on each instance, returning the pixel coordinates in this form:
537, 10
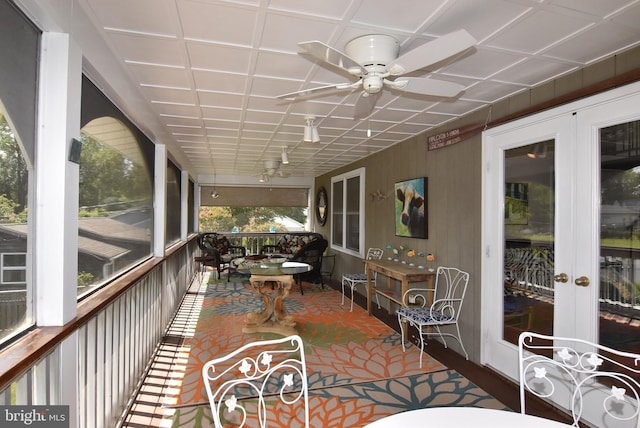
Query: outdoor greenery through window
13, 232
115, 213
252, 227
252, 219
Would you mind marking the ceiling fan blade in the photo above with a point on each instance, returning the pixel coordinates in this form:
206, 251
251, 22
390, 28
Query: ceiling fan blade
432, 52
424, 86
339, 86
365, 104
332, 56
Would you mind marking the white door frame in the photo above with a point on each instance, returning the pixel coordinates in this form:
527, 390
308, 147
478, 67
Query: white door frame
579, 164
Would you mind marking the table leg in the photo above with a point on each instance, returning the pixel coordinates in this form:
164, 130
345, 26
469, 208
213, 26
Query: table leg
369, 289
405, 287
258, 318
279, 312
273, 318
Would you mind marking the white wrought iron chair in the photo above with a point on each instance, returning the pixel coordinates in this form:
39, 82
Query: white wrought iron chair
353, 279
585, 376
239, 385
429, 309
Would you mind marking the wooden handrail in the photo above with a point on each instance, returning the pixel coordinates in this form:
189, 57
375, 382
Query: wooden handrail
19, 356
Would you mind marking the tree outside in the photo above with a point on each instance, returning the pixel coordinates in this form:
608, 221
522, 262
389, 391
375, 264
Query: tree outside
248, 219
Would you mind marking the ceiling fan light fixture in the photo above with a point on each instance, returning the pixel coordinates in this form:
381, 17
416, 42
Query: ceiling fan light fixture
307, 134
215, 194
315, 138
310, 131
285, 156
537, 151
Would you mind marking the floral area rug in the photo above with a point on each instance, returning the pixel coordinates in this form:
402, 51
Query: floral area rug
356, 405
342, 348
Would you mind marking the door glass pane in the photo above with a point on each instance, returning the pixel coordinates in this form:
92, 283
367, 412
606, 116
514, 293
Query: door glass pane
620, 236
529, 214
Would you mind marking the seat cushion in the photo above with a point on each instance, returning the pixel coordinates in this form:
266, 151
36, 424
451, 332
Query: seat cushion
420, 315
355, 276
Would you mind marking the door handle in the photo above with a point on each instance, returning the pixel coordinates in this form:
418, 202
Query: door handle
561, 277
583, 281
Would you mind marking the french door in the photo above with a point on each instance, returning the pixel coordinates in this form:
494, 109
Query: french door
561, 227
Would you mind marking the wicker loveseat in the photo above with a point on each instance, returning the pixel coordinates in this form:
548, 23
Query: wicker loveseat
290, 243
302, 247
218, 252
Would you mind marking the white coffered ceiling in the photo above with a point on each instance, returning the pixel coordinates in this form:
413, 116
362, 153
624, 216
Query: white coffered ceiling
202, 76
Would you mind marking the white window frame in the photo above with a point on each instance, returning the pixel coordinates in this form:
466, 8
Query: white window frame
359, 172
4, 268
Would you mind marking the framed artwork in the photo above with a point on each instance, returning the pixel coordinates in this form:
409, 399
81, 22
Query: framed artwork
411, 208
322, 206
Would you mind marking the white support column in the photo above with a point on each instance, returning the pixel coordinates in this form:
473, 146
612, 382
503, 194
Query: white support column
57, 181
57, 193
184, 205
196, 207
160, 200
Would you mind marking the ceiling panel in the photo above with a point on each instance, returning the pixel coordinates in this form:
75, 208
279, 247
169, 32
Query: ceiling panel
210, 71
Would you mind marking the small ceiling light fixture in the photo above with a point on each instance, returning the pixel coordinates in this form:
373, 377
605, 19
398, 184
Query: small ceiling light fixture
285, 156
310, 131
264, 178
537, 151
214, 193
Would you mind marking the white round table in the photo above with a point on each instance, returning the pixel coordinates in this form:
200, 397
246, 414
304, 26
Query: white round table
461, 417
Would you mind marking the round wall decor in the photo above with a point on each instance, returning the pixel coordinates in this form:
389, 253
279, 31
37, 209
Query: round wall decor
322, 206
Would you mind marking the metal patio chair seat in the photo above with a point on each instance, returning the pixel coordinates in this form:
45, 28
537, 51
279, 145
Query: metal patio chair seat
430, 309
352, 280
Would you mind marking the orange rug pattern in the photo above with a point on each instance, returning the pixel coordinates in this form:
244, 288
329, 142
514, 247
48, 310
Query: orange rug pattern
341, 347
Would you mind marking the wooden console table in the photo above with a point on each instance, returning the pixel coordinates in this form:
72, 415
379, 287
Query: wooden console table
394, 270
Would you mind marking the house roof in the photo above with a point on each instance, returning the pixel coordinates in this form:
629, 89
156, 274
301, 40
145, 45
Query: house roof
85, 245
114, 229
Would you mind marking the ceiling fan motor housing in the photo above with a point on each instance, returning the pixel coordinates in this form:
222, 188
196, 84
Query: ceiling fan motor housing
373, 49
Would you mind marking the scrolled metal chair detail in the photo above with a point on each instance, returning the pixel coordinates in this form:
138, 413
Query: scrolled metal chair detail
598, 384
239, 385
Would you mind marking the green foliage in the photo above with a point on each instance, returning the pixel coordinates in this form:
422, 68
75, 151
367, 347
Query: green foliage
85, 279
9, 211
246, 219
109, 181
619, 186
13, 175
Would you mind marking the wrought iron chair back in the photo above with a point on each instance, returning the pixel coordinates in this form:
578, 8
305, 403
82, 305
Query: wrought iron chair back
581, 377
429, 309
239, 385
352, 280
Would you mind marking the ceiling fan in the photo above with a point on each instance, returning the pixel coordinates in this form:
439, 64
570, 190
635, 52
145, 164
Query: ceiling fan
272, 169
374, 60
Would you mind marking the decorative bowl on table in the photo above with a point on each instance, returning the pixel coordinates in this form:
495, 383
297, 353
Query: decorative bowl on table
277, 260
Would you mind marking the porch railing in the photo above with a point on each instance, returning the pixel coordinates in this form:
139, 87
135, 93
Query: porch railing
532, 269
253, 241
105, 353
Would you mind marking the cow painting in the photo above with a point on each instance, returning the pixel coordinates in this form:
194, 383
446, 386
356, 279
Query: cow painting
410, 208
